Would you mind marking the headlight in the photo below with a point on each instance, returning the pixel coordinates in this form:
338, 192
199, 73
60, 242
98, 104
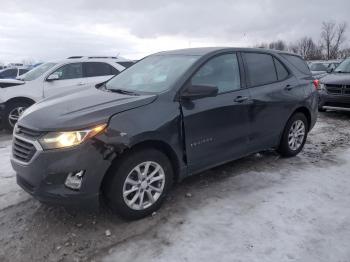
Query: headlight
55, 140
322, 86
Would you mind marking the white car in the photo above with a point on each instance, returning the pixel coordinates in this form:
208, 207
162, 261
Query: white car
54, 78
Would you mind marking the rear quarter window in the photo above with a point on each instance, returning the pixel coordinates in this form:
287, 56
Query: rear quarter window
298, 63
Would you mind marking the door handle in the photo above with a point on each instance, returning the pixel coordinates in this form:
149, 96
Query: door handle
80, 84
288, 87
240, 99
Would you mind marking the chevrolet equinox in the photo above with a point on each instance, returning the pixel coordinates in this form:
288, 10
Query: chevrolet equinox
171, 115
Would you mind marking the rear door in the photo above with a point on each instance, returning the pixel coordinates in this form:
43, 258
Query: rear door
216, 128
70, 79
98, 72
275, 92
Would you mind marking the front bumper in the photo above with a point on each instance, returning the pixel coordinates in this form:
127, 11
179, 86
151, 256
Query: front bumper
43, 177
336, 101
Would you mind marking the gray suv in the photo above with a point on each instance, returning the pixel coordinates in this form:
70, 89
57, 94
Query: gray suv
171, 115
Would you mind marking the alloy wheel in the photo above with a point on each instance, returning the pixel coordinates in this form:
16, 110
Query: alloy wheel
15, 114
296, 135
144, 185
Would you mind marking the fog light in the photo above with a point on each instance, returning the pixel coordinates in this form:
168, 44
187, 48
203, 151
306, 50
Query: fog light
73, 180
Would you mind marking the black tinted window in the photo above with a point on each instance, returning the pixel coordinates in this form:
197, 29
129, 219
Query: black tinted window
298, 62
23, 71
70, 71
282, 72
126, 64
9, 73
221, 71
261, 69
99, 69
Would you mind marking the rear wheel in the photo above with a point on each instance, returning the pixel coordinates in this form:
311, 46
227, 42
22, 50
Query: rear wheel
12, 113
138, 183
294, 135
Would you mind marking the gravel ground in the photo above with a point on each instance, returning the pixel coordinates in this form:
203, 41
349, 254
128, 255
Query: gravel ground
259, 208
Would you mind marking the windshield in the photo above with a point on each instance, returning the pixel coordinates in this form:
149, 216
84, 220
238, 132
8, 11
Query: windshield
344, 66
153, 74
318, 67
37, 71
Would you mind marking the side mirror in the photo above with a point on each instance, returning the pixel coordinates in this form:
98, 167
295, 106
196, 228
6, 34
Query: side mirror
330, 70
199, 91
53, 77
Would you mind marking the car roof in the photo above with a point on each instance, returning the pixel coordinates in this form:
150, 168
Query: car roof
201, 51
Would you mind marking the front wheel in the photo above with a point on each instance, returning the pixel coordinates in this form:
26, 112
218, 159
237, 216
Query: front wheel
294, 135
138, 183
12, 113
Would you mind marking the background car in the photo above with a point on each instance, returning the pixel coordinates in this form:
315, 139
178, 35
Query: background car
13, 72
334, 89
320, 68
54, 78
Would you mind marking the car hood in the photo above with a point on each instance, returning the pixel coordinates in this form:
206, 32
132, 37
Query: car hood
10, 82
79, 110
337, 79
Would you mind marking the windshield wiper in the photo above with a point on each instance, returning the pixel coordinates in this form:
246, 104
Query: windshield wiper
342, 72
122, 91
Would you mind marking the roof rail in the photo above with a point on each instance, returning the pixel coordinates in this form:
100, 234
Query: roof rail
103, 57
92, 57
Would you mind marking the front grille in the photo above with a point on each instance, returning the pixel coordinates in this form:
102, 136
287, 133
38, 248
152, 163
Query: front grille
346, 90
23, 150
338, 89
334, 89
26, 132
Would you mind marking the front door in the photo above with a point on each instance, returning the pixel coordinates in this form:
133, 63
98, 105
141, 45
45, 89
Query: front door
217, 128
70, 79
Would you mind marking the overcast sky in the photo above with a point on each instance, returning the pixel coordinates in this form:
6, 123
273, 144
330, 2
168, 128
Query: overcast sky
44, 30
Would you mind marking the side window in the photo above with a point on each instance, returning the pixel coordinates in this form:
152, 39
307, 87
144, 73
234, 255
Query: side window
23, 71
9, 73
282, 72
70, 71
261, 69
99, 69
221, 71
126, 64
298, 62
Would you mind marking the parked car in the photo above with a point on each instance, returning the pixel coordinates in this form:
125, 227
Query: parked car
54, 78
13, 72
171, 115
320, 69
332, 65
334, 88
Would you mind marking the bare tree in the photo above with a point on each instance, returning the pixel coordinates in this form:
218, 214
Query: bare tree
339, 39
278, 45
307, 48
332, 37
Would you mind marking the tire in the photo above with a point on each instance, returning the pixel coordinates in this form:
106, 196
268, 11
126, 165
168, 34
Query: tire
16, 108
287, 148
116, 183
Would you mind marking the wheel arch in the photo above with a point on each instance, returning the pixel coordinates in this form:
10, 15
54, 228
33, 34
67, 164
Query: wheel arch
20, 99
160, 145
304, 110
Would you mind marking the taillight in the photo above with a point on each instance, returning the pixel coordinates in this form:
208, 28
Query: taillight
316, 84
